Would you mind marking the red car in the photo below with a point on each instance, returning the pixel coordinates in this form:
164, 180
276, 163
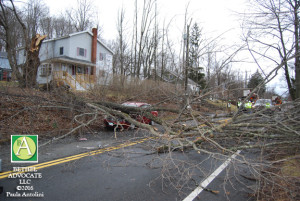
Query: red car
112, 122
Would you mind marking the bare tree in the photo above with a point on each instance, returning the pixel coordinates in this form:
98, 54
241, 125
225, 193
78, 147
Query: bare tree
35, 13
62, 26
274, 25
122, 46
25, 73
12, 33
83, 16
146, 21
46, 26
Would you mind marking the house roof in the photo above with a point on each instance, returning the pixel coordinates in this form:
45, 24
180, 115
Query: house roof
71, 60
78, 33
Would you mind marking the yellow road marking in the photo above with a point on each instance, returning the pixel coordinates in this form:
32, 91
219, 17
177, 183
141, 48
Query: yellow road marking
78, 156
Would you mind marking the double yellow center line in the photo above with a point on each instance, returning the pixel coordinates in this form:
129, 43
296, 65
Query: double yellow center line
79, 156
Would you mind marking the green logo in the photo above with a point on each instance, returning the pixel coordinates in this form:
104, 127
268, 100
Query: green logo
24, 148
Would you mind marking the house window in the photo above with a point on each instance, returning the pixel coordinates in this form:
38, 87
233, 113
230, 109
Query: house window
81, 52
61, 50
45, 70
79, 69
102, 56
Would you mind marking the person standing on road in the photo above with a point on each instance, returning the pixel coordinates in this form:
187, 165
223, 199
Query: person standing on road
278, 100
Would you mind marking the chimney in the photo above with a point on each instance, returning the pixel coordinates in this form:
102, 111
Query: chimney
94, 46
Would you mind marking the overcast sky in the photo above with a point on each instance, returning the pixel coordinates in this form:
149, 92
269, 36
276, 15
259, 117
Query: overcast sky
215, 17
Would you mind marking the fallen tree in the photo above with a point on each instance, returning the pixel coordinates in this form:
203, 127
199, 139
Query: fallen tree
273, 132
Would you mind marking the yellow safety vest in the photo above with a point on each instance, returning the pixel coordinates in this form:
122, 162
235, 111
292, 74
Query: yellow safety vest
248, 105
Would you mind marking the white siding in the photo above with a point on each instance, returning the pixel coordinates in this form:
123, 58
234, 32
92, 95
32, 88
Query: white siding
106, 63
46, 51
65, 43
83, 40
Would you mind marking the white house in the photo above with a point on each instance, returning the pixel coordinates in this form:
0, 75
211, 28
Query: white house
79, 60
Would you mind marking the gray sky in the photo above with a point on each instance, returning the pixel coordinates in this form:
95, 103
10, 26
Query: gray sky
214, 16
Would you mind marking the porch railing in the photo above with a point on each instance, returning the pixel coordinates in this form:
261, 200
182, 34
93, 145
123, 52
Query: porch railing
84, 80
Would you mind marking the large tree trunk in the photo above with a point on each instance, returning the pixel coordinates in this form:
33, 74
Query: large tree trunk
31, 68
32, 62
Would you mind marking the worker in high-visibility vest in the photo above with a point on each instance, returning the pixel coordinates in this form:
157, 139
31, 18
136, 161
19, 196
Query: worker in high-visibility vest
248, 106
239, 104
268, 105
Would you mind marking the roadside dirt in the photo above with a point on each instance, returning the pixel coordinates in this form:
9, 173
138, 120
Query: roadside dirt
29, 111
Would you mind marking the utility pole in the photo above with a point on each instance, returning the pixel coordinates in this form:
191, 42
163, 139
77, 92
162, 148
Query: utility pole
187, 55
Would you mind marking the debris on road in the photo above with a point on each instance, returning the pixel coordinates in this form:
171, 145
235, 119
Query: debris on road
89, 148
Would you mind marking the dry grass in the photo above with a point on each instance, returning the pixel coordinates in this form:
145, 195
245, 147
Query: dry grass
291, 168
281, 182
135, 90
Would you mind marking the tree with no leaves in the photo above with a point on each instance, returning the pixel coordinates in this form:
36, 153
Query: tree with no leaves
83, 16
273, 34
11, 22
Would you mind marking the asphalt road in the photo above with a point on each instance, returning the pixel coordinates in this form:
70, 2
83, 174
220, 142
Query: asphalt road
134, 172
